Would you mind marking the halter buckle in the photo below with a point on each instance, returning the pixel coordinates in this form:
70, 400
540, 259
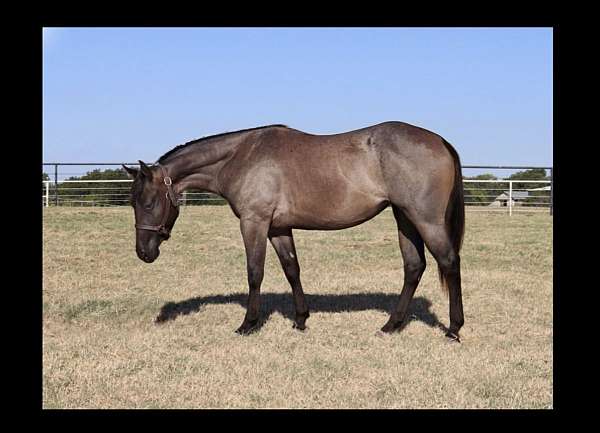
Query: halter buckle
168, 181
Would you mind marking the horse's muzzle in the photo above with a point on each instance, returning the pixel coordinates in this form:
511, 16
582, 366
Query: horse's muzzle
147, 257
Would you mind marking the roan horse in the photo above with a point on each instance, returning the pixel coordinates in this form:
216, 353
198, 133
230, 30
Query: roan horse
277, 179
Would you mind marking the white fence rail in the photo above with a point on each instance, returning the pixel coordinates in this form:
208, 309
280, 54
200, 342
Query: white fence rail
106, 193
508, 195
480, 195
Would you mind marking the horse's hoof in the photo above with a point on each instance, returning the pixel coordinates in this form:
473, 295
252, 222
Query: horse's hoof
247, 328
244, 331
453, 337
299, 326
390, 327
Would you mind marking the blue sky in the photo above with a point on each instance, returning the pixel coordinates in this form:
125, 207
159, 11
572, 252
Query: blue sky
123, 94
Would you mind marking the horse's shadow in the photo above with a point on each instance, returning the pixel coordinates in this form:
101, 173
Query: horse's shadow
419, 308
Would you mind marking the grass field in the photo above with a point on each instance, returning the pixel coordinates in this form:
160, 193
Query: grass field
102, 349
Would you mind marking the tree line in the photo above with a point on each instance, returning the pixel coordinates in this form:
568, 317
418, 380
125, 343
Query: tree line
482, 194
109, 194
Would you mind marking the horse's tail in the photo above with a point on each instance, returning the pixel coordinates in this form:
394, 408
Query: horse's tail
455, 211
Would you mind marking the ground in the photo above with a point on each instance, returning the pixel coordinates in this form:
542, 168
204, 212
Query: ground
103, 349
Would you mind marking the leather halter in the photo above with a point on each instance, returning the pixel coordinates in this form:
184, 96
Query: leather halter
171, 199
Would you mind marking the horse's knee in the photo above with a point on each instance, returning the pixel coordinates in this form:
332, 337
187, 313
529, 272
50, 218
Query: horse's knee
414, 270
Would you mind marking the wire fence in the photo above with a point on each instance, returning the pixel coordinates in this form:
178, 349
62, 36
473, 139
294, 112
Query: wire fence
480, 195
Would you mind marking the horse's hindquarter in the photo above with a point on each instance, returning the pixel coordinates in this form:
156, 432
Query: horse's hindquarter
417, 168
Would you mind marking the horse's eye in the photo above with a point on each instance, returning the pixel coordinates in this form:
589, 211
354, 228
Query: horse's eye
150, 205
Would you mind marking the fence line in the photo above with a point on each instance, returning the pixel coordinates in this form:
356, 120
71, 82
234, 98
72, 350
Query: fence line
53, 187
510, 200
94, 181
480, 195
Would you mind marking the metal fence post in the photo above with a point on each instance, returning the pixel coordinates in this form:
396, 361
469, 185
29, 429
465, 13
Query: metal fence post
551, 191
56, 184
184, 198
47, 182
510, 198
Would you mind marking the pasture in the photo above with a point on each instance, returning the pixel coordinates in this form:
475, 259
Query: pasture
103, 349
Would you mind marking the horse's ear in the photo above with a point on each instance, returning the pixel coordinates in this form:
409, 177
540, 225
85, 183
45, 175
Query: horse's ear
131, 172
145, 169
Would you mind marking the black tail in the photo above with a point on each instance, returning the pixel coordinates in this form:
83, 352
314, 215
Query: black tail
455, 212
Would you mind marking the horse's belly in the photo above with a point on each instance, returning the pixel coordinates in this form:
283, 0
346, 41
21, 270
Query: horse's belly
334, 192
328, 216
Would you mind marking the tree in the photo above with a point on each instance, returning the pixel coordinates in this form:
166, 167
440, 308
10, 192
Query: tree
109, 194
480, 194
45, 176
534, 198
531, 174
484, 176
107, 174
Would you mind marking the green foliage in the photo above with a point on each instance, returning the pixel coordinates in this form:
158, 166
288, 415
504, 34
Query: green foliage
532, 174
107, 174
109, 194
480, 194
45, 176
114, 193
484, 176
535, 198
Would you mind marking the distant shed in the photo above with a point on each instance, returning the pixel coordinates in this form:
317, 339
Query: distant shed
517, 198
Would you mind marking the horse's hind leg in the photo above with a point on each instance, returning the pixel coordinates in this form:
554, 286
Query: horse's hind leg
438, 242
283, 242
413, 255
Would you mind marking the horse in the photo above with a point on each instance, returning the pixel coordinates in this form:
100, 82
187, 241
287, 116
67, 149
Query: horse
277, 179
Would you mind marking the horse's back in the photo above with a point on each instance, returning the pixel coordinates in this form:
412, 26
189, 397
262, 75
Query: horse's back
377, 158
339, 180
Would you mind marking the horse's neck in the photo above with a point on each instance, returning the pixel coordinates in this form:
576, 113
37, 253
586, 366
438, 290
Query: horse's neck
197, 167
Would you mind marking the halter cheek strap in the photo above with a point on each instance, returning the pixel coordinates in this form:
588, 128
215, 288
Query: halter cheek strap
171, 198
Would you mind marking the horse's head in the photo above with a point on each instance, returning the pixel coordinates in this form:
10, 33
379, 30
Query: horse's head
155, 206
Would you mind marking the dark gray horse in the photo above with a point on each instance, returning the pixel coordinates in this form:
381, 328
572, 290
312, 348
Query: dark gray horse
277, 179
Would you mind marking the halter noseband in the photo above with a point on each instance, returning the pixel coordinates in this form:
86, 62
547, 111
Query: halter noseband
172, 199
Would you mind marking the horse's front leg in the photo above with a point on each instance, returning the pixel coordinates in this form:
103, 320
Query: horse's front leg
254, 233
283, 242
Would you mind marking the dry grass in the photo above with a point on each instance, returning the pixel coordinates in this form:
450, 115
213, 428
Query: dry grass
101, 348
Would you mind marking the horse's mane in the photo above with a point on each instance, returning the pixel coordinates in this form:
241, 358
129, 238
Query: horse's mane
181, 146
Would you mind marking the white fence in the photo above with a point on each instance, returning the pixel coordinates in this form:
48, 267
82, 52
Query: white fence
480, 195
106, 193
508, 195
